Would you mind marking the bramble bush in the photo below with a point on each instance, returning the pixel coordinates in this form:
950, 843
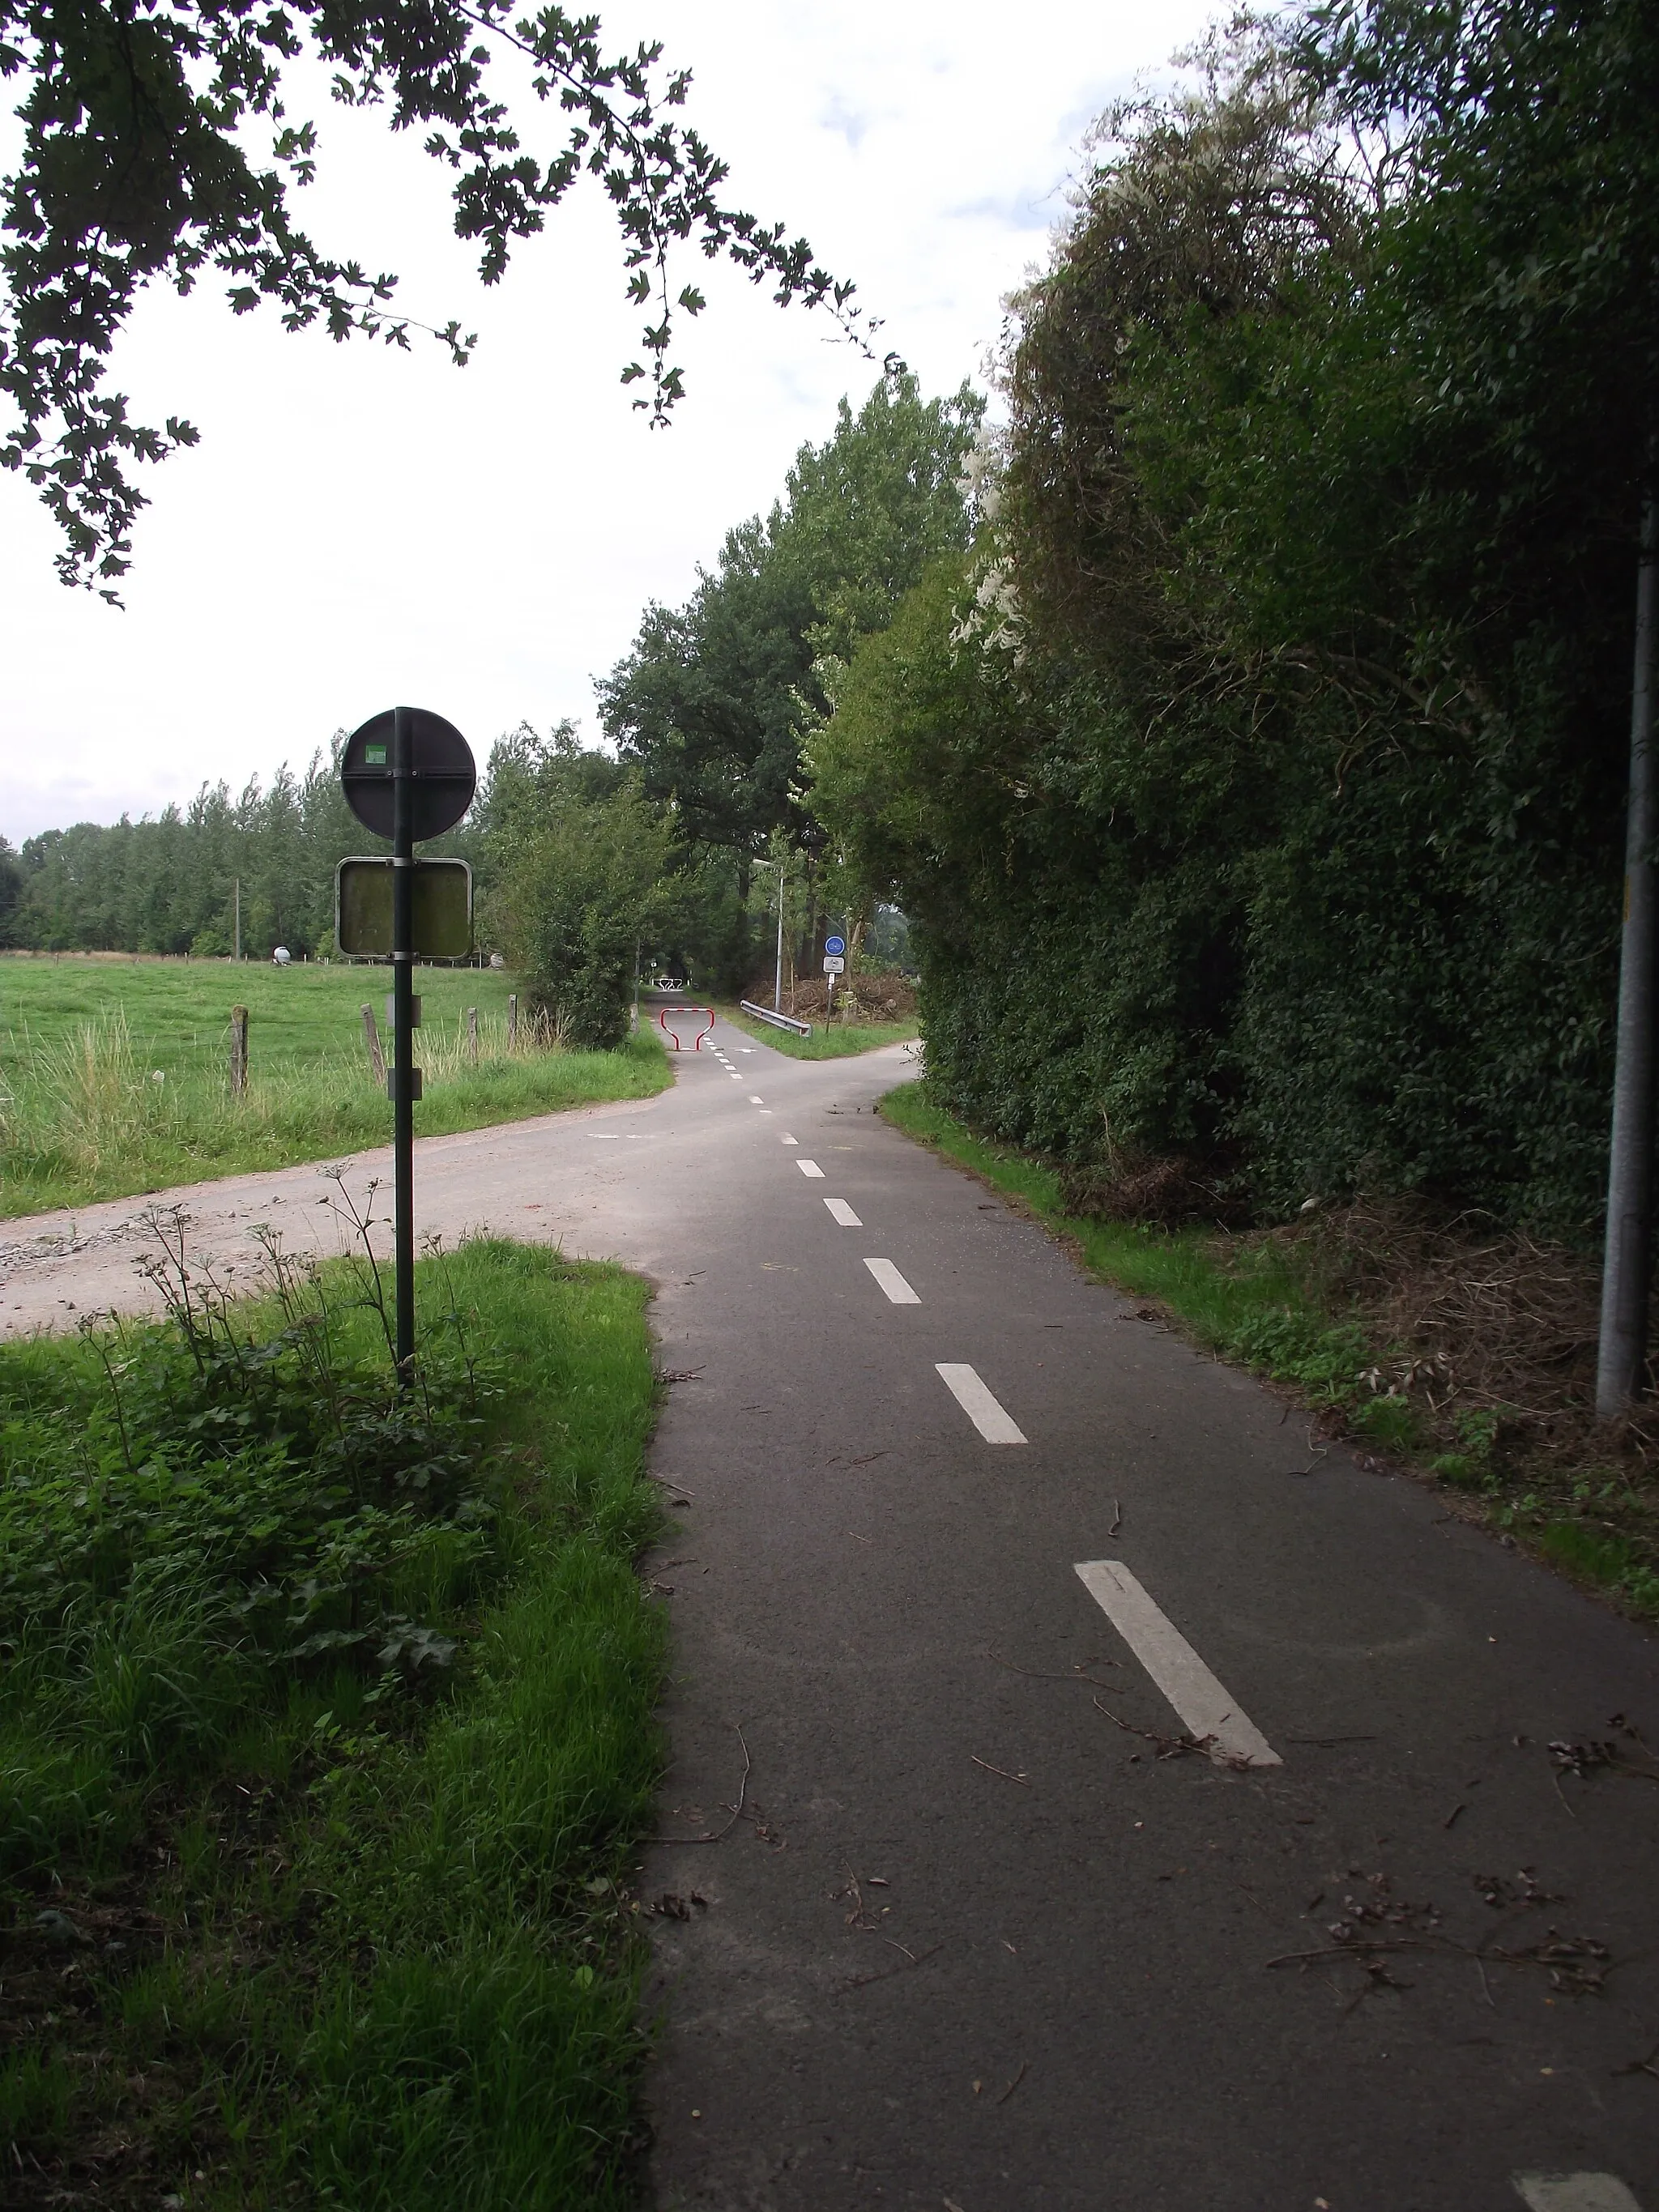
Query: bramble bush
210, 1513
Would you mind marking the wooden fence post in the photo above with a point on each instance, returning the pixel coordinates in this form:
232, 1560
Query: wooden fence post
238, 1051
372, 1036
512, 1021
472, 1035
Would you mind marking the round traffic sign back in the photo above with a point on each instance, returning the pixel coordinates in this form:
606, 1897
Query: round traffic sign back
443, 772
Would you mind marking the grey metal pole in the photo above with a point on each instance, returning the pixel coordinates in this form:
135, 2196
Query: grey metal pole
1622, 1358
404, 1081
777, 979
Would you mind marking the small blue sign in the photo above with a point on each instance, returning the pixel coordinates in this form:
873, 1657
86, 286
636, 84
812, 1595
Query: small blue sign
834, 944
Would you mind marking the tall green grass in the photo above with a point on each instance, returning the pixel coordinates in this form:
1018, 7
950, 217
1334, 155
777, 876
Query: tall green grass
326, 1734
83, 1117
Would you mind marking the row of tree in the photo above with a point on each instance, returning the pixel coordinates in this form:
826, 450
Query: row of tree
589, 861
179, 882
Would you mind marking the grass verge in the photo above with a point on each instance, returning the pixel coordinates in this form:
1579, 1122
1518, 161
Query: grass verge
326, 1734
1256, 1301
834, 1043
84, 1119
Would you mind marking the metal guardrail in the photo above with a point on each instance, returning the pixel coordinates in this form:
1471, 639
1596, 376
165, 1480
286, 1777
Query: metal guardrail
778, 1021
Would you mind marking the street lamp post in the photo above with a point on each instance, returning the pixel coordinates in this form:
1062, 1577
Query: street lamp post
777, 979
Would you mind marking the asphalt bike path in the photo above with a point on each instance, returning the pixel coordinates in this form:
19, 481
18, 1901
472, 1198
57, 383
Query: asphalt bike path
1029, 1897
994, 1921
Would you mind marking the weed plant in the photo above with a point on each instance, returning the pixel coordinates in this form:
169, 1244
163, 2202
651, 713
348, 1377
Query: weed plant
1259, 1302
326, 1730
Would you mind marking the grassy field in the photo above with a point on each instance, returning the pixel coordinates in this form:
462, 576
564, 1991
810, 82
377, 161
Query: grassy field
834, 1043
114, 1075
327, 1741
1245, 1298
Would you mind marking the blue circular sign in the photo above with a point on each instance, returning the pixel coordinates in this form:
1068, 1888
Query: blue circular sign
834, 945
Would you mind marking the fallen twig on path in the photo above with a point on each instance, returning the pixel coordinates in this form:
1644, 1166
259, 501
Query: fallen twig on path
1168, 1746
1024, 1780
858, 1918
1319, 1451
1014, 2084
911, 1958
1573, 1962
736, 1811
1036, 1674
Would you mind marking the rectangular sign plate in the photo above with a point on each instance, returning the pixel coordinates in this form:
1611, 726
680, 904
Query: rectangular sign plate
443, 909
834, 964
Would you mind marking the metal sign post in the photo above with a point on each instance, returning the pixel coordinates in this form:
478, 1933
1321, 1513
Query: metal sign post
406, 1077
835, 964
407, 773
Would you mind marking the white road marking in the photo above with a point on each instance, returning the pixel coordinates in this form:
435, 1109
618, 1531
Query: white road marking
607, 1136
786, 1141
753, 1101
1185, 1681
898, 1290
976, 1401
1575, 2192
810, 1168
843, 1214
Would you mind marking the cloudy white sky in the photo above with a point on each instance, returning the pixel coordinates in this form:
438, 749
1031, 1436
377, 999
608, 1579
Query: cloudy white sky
360, 526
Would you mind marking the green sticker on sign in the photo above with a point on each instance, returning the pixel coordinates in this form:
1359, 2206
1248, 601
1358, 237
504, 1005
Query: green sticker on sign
373, 755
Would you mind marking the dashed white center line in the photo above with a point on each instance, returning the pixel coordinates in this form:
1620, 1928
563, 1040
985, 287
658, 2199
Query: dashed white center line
810, 1168
1230, 1734
898, 1290
976, 1401
753, 1101
786, 1140
842, 1213
1575, 2192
